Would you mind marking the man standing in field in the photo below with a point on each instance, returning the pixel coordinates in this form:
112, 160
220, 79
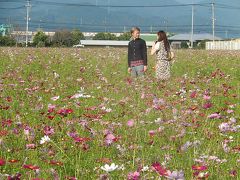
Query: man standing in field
137, 54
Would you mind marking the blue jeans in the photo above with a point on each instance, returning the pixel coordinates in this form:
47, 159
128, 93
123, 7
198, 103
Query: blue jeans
137, 71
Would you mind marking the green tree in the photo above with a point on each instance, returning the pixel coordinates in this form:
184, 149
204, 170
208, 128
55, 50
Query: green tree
125, 36
63, 38
184, 45
77, 35
105, 36
202, 44
40, 39
7, 41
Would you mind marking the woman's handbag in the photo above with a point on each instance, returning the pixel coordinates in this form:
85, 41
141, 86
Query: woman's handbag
170, 55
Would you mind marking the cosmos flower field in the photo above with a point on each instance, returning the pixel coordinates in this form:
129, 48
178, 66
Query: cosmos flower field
77, 114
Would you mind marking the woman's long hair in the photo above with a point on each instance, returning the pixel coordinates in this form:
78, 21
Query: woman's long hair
163, 37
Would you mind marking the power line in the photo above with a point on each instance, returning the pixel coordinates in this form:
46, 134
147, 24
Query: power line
199, 27
218, 5
121, 25
8, 8
120, 6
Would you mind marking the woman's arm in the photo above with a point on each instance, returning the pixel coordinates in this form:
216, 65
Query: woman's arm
129, 54
153, 50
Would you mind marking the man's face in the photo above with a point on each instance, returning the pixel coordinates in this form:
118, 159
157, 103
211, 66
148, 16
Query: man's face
136, 34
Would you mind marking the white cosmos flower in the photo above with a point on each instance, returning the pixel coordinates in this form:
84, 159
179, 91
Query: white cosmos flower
45, 139
145, 168
55, 98
106, 109
80, 94
110, 168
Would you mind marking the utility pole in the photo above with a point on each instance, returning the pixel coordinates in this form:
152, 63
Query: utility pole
165, 22
192, 26
226, 34
81, 20
213, 23
39, 25
124, 29
105, 24
151, 29
28, 8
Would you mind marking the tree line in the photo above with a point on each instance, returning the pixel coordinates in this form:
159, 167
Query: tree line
61, 38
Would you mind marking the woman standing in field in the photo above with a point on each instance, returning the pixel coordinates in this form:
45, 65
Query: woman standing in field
137, 54
161, 47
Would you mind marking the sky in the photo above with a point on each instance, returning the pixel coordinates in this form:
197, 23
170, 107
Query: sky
174, 19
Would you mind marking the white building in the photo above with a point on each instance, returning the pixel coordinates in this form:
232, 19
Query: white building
223, 45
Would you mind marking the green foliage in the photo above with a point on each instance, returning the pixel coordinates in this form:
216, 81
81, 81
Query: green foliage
7, 41
105, 36
77, 35
40, 39
63, 38
184, 45
125, 36
202, 44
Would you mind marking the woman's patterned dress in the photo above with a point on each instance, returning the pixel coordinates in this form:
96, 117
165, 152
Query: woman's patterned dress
162, 64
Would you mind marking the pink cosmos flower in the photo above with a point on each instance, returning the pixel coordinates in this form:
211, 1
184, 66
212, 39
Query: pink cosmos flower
130, 123
48, 130
2, 162
15, 177
207, 105
152, 132
176, 175
193, 94
206, 97
65, 112
6, 123
51, 108
109, 139
199, 168
30, 146
214, 116
134, 175
229, 111
224, 127
81, 139
32, 167
233, 173
157, 167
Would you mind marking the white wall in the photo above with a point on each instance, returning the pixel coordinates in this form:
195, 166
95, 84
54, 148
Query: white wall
223, 45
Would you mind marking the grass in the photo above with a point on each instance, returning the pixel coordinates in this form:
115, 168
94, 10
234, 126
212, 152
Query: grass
96, 131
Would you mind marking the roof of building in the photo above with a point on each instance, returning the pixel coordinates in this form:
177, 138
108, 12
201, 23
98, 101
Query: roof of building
149, 37
104, 43
196, 37
108, 43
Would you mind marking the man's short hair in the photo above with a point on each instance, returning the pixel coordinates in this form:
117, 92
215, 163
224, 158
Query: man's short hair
135, 29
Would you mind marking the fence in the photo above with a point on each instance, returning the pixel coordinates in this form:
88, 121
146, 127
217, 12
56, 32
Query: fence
223, 45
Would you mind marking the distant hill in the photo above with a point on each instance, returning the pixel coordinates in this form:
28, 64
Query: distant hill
175, 19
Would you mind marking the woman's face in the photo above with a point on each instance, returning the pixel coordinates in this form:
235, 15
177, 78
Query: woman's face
136, 34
